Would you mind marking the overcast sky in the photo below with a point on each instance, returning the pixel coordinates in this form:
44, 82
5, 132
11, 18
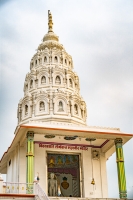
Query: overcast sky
98, 34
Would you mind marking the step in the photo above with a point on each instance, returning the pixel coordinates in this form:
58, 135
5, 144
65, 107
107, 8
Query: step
17, 196
80, 198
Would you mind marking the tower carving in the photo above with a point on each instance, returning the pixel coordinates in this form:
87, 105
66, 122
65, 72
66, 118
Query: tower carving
51, 88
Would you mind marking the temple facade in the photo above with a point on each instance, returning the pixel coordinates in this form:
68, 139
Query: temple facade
53, 144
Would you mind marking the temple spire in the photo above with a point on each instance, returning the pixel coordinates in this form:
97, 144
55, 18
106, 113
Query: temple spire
50, 23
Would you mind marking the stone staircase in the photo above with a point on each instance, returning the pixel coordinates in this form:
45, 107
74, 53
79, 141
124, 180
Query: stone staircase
17, 197
79, 198
33, 197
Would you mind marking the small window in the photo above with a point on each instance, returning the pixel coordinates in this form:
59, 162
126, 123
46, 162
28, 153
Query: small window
65, 61
70, 83
42, 106
69, 63
75, 109
43, 80
26, 110
36, 62
58, 80
56, 59
45, 59
31, 84
60, 106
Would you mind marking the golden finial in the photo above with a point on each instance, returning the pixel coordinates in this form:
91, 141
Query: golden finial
50, 23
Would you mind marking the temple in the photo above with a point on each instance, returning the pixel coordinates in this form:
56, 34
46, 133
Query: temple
53, 144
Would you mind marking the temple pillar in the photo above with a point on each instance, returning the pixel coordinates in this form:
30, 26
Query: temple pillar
30, 161
120, 168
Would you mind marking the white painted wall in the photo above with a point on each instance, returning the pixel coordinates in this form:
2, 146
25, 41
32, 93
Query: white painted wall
97, 178
9, 170
103, 170
41, 166
14, 168
1, 184
22, 164
87, 174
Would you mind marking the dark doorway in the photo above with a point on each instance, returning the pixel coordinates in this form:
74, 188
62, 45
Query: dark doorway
65, 168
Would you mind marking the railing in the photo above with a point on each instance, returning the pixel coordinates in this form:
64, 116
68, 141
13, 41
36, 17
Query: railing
19, 188
25, 188
34, 188
40, 192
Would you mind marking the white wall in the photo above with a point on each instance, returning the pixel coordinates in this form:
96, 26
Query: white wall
9, 168
104, 183
41, 166
13, 178
97, 178
87, 174
22, 164
12, 170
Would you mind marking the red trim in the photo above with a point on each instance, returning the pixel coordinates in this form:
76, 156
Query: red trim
17, 195
106, 141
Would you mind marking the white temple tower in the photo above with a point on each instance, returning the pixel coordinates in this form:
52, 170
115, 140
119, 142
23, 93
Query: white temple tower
51, 89
52, 142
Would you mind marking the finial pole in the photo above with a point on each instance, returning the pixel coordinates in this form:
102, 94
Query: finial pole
50, 23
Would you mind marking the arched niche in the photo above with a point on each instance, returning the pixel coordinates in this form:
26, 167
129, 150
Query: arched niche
70, 83
31, 83
75, 109
45, 59
26, 87
65, 61
57, 80
60, 106
41, 106
55, 59
26, 109
43, 80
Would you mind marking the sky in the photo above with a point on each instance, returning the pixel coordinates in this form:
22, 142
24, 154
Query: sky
98, 34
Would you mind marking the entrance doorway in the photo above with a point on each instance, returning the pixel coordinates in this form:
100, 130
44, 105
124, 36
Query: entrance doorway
63, 175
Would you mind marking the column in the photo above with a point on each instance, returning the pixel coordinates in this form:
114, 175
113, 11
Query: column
30, 162
120, 168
